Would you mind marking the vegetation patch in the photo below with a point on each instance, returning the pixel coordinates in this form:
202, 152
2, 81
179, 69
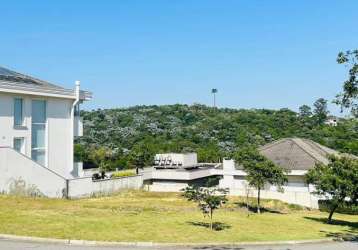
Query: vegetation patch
165, 217
130, 137
124, 173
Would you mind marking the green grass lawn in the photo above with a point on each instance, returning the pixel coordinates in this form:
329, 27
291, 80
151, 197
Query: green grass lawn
162, 217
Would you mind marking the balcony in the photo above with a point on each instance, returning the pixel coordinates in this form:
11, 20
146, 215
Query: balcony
78, 126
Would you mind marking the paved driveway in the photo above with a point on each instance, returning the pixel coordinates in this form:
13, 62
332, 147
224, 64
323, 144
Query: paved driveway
12, 245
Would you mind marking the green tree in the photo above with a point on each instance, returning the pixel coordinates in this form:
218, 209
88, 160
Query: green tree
260, 171
142, 154
209, 153
305, 111
337, 181
208, 199
320, 110
80, 154
348, 99
100, 157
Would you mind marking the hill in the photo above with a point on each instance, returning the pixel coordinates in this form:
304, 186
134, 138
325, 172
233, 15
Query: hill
128, 137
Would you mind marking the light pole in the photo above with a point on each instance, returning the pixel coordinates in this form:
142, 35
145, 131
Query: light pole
214, 91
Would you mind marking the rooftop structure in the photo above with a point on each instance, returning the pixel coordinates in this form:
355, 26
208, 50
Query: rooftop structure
174, 160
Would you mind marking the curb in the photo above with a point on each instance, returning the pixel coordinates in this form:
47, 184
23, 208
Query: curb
153, 244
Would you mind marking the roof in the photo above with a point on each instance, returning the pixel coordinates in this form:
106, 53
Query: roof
297, 153
11, 80
8, 75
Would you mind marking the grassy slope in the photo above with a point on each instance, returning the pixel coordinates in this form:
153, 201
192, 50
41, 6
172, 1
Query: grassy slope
159, 217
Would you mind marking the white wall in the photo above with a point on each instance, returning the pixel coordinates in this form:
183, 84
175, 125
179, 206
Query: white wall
166, 186
293, 197
85, 187
7, 131
59, 129
296, 191
60, 140
15, 167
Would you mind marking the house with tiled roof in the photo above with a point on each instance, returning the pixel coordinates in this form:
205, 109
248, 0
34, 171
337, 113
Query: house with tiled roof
297, 153
297, 156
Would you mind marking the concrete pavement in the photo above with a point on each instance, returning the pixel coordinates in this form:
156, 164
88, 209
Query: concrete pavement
19, 245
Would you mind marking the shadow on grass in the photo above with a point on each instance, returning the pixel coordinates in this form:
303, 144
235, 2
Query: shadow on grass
351, 234
253, 209
217, 226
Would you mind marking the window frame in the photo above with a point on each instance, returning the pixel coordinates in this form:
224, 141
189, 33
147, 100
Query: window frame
22, 124
43, 149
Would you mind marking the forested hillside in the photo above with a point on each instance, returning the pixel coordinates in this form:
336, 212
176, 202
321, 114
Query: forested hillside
128, 137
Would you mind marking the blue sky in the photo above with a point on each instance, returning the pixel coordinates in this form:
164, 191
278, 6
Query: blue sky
259, 54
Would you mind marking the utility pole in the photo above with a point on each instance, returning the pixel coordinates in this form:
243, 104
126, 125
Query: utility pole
214, 91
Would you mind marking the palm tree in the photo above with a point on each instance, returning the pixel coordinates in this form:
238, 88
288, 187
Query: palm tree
214, 91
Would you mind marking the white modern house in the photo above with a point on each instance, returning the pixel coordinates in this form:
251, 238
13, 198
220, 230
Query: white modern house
40, 120
38, 124
295, 155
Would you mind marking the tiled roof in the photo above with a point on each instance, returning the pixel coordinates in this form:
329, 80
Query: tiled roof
296, 153
11, 77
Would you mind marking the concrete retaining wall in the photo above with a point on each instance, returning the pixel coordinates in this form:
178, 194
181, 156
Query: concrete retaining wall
299, 198
166, 186
302, 198
85, 187
21, 175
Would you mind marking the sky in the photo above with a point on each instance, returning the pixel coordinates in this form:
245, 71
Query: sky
258, 54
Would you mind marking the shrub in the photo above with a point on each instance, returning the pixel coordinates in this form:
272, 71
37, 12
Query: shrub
125, 173
19, 187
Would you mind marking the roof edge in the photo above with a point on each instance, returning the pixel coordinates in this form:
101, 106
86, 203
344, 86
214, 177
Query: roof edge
7, 87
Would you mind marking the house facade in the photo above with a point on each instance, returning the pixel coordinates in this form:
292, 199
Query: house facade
40, 120
38, 124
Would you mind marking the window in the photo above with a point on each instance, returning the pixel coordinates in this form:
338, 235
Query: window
18, 112
38, 132
19, 145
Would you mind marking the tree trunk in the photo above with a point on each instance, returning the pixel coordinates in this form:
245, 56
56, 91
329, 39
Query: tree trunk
211, 219
247, 204
329, 221
258, 201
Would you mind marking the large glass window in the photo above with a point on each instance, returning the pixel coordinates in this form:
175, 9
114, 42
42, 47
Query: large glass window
39, 156
38, 132
18, 112
38, 136
38, 111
